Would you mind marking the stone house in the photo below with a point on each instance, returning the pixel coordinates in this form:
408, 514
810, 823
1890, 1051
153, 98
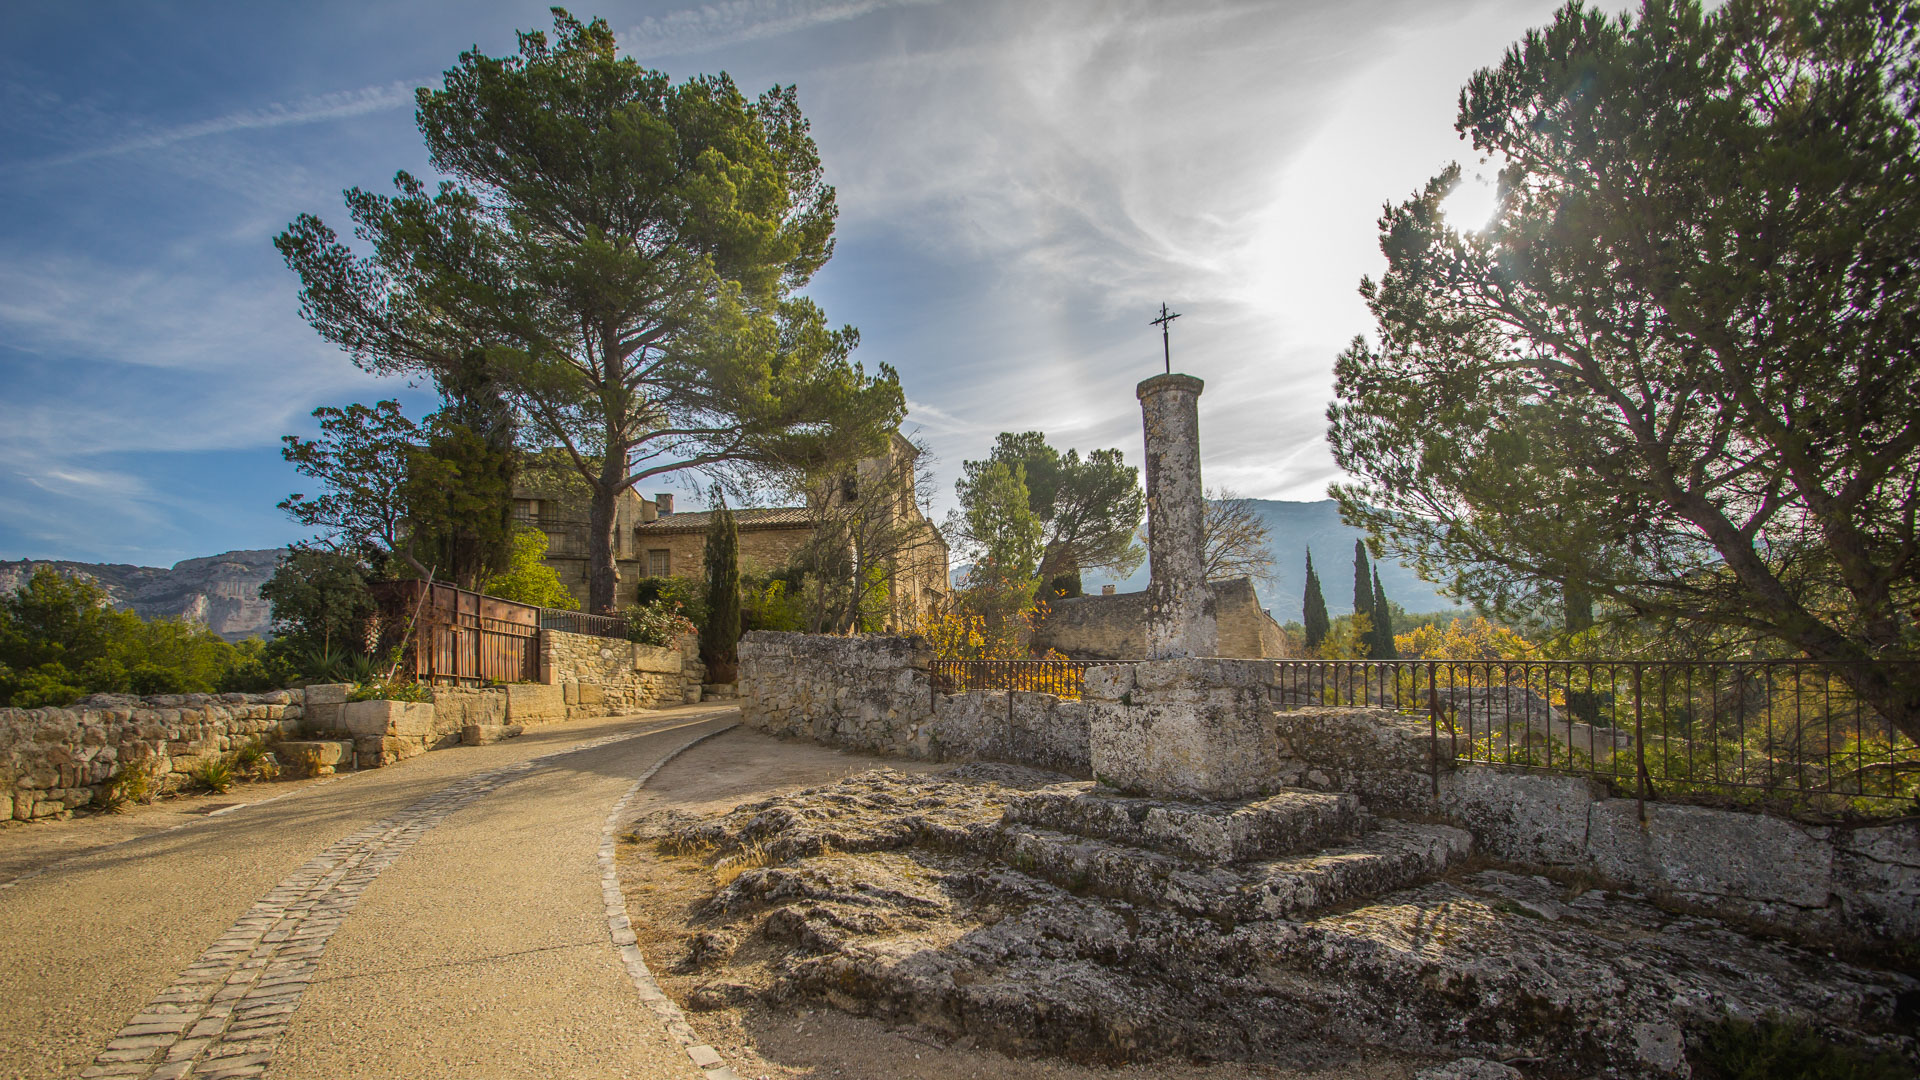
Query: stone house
652, 540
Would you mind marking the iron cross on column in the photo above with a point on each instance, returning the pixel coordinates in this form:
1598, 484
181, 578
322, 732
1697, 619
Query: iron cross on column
1163, 322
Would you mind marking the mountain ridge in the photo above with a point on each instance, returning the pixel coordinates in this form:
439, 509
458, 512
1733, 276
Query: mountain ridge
221, 592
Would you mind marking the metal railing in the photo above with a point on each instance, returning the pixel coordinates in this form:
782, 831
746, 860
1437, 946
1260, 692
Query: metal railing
580, 622
1795, 728
1062, 678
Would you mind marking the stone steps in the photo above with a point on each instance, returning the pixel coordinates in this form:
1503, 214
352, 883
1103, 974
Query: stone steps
1213, 832
1393, 856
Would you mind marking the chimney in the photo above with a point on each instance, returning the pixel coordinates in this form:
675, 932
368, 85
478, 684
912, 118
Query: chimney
648, 511
1106, 590
663, 503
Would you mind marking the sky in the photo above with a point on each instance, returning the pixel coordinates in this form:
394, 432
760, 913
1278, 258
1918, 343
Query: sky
1021, 185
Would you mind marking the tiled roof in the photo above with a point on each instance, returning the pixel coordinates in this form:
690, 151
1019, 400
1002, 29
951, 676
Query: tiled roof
772, 517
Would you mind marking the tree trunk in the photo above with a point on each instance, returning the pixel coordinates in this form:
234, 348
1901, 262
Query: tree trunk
603, 576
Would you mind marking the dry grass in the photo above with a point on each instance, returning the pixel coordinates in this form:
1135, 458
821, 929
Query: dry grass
749, 857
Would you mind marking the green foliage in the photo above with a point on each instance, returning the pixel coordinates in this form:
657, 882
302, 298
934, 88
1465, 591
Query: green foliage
320, 604
1065, 586
459, 505
1773, 1049
999, 523
673, 222
1088, 509
379, 689
658, 623
362, 459
1675, 375
685, 594
527, 578
1362, 581
213, 774
767, 605
1314, 609
131, 783
59, 642
720, 639
1380, 614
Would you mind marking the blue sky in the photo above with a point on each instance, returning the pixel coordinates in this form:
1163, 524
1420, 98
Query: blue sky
1021, 184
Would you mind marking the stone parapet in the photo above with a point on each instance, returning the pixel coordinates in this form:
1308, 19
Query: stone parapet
1184, 728
55, 760
607, 676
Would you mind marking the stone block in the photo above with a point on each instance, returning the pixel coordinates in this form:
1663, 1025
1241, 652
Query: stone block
484, 734
570, 692
375, 751
1216, 749
1699, 851
328, 693
534, 703
323, 755
660, 661
413, 719
590, 693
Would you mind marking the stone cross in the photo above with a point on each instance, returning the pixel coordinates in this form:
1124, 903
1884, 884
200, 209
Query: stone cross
1180, 609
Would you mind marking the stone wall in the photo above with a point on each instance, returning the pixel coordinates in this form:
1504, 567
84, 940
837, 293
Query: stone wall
54, 760
872, 692
600, 676
1859, 882
1114, 626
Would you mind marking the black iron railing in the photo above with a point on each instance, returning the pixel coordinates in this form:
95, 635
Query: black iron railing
1797, 728
580, 622
1062, 678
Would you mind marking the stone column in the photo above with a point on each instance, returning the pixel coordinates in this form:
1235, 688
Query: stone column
1180, 609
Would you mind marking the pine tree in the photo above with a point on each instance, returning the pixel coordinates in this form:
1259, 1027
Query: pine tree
719, 644
1382, 646
1314, 607
1362, 581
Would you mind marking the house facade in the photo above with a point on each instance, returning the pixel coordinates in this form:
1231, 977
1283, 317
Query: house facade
652, 540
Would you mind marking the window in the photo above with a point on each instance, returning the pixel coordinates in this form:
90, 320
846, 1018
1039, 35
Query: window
526, 511
658, 562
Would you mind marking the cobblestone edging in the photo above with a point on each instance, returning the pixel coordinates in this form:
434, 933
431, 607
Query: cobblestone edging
224, 1014
703, 1056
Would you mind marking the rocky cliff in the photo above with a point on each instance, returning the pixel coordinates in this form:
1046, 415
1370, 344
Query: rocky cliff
220, 591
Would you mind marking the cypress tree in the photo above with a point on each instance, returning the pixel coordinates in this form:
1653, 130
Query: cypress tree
1362, 581
1383, 647
1314, 607
719, 644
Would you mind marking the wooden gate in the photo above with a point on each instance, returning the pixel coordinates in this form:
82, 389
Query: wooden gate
459, 636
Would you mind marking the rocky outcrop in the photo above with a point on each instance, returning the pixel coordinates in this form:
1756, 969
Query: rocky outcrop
220, 592
1035, 915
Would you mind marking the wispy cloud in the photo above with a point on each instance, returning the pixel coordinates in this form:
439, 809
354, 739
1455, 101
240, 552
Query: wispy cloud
732, 22
324, 107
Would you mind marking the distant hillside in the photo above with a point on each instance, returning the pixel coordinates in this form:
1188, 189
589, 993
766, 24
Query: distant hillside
220, 591
1297, 526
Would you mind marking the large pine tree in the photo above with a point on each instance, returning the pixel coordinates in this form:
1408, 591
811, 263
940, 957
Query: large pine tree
1314, 607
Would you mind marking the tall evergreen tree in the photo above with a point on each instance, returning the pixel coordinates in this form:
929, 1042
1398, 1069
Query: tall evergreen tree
1315, 607
1382, 634
719, 643
1362, 581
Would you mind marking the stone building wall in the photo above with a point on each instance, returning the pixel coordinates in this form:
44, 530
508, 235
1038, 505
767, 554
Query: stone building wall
54, 760
599, 676
1114, 626
872, 692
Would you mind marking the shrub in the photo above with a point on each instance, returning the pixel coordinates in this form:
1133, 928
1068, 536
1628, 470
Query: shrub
213, 774
130, 784
1773, 1049
659, 623
688, 593
377, 689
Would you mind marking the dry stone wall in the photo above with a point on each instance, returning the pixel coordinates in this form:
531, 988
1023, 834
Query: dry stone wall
1859, 882
1114, 626
55, 760
872, 692
598, 675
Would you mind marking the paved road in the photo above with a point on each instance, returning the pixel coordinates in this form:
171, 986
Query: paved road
441, 918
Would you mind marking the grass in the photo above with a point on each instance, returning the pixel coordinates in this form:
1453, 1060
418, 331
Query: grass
749, 857
131, 784
1772, 1049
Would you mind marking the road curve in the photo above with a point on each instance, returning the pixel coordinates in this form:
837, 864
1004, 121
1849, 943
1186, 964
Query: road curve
441, 918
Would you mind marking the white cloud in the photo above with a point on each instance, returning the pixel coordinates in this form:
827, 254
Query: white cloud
731, 22
339, 105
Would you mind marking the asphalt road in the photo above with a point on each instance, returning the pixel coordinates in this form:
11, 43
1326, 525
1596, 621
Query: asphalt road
443, 917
